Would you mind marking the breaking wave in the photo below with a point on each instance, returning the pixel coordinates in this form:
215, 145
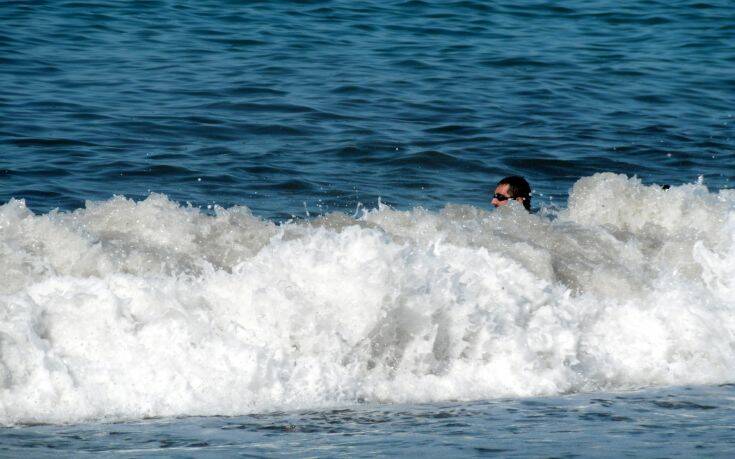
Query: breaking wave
125, 309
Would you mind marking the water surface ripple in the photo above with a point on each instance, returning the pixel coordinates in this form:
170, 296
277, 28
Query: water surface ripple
278, 105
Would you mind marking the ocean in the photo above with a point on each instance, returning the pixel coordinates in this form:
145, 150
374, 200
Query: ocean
264, 228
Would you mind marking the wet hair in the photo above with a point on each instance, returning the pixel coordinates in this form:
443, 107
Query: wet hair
518, 187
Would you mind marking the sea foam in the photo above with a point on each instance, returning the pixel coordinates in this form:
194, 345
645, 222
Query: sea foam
125, 310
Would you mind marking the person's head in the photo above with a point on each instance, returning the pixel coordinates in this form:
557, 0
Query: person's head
513, 187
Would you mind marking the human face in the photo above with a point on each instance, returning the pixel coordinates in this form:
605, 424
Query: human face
502, 190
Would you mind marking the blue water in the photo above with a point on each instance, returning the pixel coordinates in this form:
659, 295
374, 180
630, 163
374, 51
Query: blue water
296, 109
687, 422
330, 103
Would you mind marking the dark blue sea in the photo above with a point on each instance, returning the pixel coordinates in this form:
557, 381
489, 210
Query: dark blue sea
263, 228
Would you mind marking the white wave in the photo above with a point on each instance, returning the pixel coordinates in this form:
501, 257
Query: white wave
127, 310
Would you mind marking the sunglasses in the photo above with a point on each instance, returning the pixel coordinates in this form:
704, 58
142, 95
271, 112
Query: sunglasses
501, 197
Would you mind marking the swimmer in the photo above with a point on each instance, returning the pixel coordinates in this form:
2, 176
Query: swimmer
513, 187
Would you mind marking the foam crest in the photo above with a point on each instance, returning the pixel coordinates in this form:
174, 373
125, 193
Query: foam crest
135, 309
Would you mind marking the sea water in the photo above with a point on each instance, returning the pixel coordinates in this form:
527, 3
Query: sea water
264, 228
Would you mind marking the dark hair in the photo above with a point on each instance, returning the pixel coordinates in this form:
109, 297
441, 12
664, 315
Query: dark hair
518, 187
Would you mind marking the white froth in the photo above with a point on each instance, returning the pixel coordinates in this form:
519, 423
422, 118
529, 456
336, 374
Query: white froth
127, 310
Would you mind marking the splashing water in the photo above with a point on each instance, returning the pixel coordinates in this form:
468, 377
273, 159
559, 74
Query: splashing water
127, 309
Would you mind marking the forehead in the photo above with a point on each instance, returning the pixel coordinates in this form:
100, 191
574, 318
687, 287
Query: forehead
502, 188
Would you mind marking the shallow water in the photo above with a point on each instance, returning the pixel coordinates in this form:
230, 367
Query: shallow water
339, 263
684, 422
